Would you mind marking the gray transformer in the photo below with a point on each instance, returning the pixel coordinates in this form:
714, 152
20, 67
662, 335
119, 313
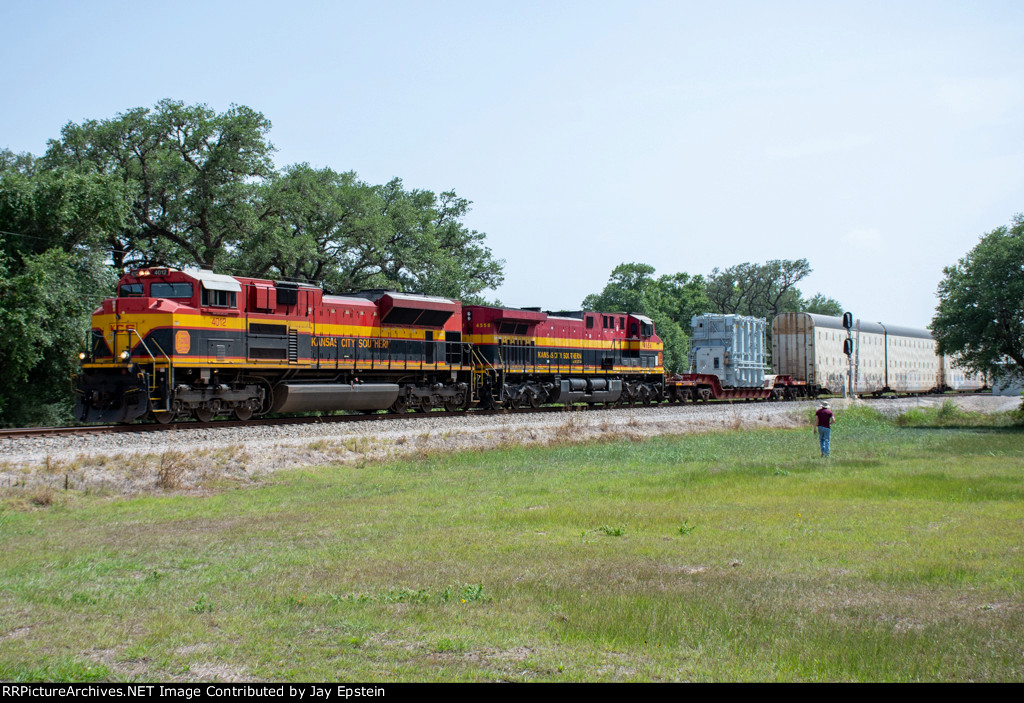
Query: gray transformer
731, 347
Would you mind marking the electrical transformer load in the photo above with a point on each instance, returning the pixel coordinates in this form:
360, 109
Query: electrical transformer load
731, 347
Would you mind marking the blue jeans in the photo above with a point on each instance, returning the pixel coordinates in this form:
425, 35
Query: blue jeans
824, 436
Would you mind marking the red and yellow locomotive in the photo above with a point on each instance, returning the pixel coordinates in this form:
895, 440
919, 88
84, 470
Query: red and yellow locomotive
176, 343
528, 357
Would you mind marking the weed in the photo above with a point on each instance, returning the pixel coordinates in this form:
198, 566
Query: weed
359, 445
465, 594
736, 423
448, 645
612, 531
507, 440
203, 605
170, 471
686, 528
43, 497
570, 431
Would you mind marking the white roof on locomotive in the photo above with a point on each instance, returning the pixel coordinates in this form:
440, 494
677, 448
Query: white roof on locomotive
215, 281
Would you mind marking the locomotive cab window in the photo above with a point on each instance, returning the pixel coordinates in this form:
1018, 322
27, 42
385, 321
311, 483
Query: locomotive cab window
220, 298
170, 290
131, 290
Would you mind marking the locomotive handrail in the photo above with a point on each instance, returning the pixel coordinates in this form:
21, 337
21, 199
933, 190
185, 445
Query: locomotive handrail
145, 346
170, 366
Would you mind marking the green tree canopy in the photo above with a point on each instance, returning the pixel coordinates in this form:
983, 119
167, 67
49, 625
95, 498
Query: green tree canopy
192, 175
980, 317
765, 290
201, 190
821, 305
329, 227
52, 276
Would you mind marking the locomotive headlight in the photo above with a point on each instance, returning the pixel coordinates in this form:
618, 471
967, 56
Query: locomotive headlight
81, 355
125, 355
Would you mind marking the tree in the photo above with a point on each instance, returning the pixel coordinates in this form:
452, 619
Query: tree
757, 290
766, 290
52, 275
331, 228
980, 316
821, 305
309, 226
58, 208
45, 313
669, 300
192, 174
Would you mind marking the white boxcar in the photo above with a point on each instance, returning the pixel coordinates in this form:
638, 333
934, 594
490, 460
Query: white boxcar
957, 379
809, 348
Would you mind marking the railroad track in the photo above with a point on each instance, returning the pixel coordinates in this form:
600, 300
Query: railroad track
42, 432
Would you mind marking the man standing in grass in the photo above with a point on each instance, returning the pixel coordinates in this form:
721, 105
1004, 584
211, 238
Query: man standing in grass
823, 426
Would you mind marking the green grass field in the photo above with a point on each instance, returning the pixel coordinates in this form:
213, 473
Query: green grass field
731, 556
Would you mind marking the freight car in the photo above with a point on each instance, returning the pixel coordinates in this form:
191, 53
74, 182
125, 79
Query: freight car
885, 358
175, 344
727, 361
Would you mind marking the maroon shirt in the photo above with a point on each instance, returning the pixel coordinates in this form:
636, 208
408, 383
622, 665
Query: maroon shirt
825, 417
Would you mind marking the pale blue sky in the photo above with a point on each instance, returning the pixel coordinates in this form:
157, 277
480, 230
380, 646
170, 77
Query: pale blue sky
878, 140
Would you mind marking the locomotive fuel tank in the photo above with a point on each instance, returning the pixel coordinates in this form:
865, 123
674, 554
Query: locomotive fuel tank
306, 397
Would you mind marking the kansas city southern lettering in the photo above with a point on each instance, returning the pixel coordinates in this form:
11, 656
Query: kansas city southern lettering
349, 343
572, 356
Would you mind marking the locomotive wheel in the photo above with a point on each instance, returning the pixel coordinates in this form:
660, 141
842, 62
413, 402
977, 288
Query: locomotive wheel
425, 405
163, 418
203, 414
645, 397
533, 400
400, 405
453, 404
243, 413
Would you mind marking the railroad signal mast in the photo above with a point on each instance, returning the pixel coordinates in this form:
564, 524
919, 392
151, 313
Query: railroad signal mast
848, 350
